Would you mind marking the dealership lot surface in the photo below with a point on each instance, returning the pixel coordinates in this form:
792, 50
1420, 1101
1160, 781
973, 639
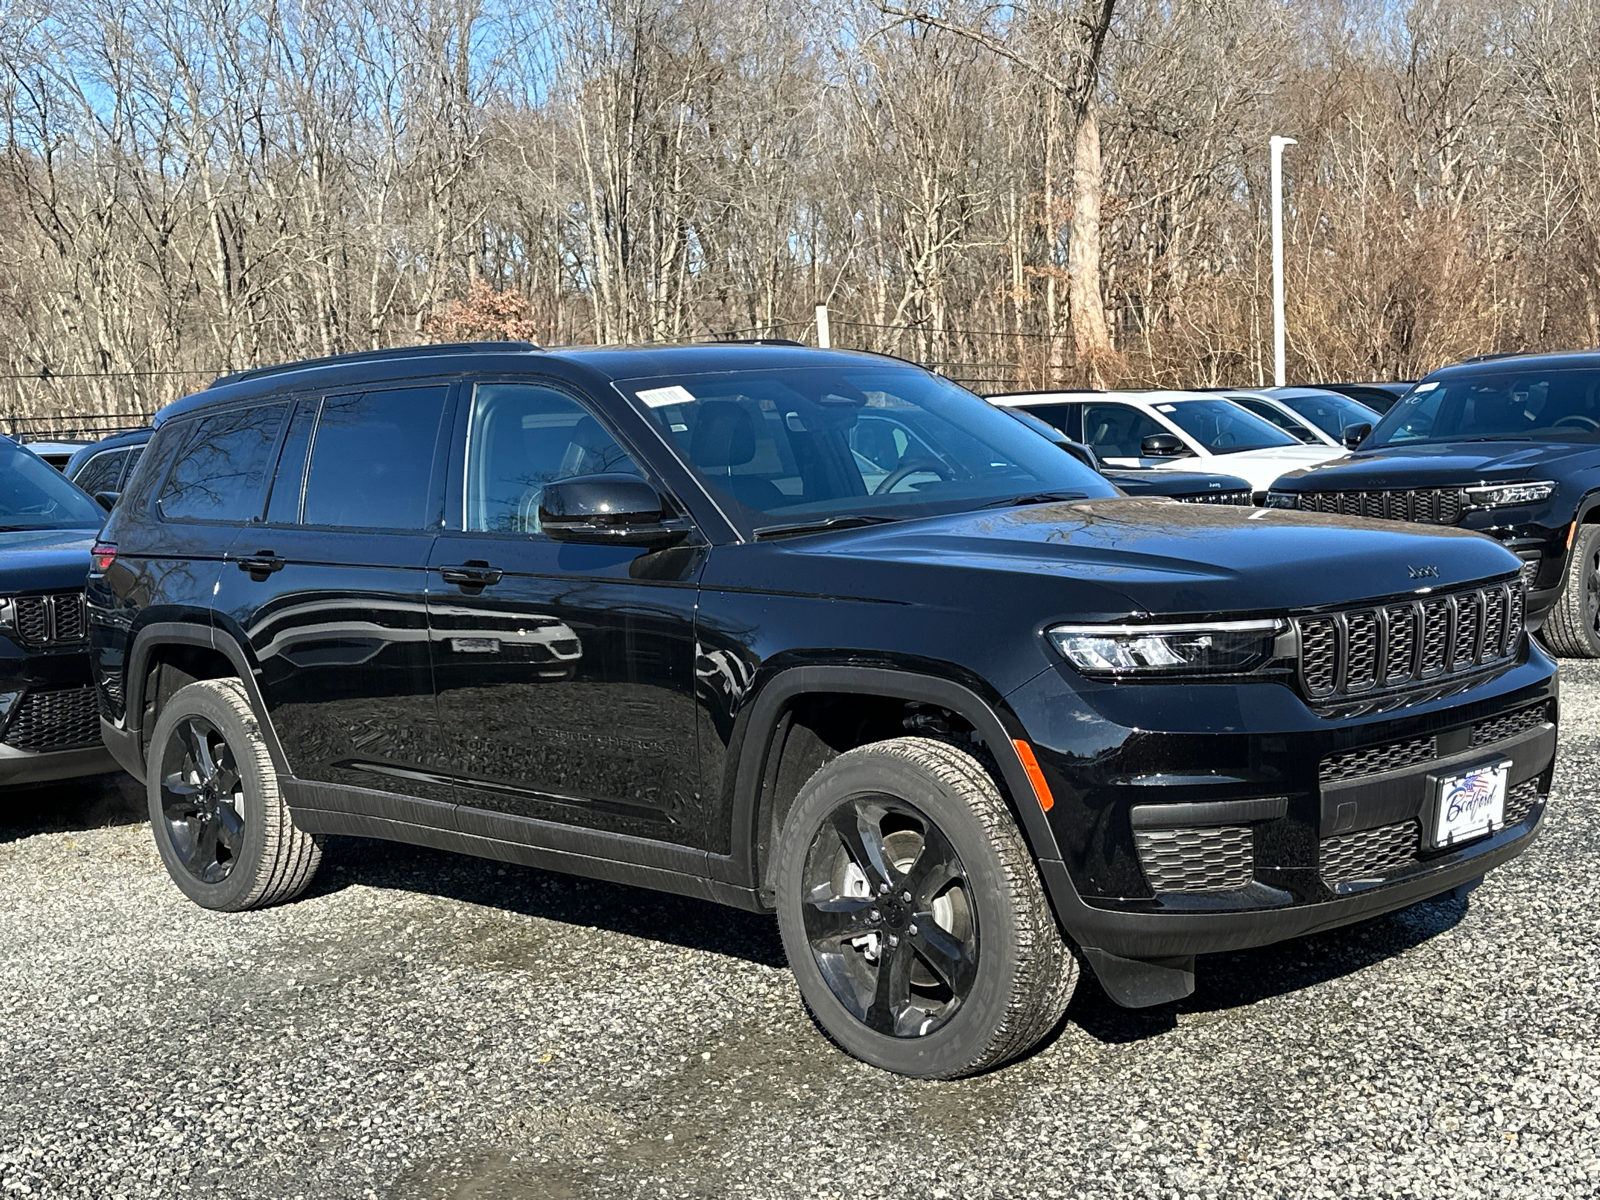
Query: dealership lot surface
431, 1026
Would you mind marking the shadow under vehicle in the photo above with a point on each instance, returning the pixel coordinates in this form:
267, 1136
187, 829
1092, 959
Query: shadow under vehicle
847, 644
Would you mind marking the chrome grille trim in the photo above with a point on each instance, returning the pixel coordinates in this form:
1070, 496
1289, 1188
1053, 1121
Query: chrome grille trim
1347, 654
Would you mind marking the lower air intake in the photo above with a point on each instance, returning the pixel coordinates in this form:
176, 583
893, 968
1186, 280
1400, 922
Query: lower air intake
1211, 859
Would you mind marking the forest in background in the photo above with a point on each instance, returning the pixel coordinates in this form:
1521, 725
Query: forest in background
1026, 195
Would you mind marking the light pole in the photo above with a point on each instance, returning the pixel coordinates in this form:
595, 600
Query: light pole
1278, 143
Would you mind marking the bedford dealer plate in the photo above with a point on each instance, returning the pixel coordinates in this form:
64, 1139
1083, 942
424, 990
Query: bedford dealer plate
1471, 804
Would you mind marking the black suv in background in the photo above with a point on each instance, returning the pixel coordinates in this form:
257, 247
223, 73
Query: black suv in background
104, 467
49, 726
1508, 446
809, 631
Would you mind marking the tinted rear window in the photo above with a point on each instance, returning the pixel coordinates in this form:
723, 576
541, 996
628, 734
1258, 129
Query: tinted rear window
102, 473
372, 459
221, 473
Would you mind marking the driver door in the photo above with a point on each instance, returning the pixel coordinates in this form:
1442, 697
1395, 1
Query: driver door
1115, 433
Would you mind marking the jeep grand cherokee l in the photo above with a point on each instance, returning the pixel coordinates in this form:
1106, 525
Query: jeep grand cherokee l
1509, 445
804, 631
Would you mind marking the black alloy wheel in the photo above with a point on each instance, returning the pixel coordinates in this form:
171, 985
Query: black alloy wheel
202, 799
226, 836
888, 916
912, 913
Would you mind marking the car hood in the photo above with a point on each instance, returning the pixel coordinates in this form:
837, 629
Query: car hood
1263, 466
34, 560
1165, 558
1445, 464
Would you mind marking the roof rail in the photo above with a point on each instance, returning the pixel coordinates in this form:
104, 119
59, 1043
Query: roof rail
338, 360
758, 342
1477, 358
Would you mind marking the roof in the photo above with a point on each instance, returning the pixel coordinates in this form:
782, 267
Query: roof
1557, 360
597, 362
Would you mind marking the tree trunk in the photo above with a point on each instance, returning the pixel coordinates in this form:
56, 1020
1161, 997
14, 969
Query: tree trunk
1089, 332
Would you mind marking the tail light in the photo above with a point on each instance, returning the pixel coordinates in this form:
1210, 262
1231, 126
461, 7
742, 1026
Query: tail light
101, 557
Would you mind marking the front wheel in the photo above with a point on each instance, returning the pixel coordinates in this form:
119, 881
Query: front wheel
1572, 628
913, 916
224, 832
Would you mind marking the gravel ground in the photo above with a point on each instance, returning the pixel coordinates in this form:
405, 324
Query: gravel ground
423, 1025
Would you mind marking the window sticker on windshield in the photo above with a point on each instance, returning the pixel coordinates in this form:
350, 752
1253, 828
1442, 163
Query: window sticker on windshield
1424, 387
1166, 408
663, 396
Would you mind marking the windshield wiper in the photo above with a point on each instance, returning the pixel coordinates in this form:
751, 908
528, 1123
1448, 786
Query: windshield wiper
1034, 498
768, 532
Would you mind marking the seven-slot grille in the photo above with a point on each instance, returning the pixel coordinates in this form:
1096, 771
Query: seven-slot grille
1431, 506
55, 719
1241, 496
49, 620
1376, 649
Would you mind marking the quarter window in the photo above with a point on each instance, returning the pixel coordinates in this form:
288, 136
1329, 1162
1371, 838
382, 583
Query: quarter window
372, 459
522, 437
102, 473
221, 473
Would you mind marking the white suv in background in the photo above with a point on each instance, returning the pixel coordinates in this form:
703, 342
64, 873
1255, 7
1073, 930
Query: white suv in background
1178, 431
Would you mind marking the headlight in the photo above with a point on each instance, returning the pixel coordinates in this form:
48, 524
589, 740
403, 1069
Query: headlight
1281, 499
1497, 495
8, 613
1203, 648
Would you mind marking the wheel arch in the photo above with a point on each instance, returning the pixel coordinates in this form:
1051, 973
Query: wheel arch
759, 804
168, 654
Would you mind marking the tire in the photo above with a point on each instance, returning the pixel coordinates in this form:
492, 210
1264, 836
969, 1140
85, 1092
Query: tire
219, 856
1572, 628
969, 974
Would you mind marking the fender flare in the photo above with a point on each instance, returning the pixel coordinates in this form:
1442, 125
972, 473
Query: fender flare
997, 733
207, 637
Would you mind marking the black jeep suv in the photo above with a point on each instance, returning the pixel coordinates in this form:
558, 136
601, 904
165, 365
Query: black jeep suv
809, 631
49, 728
1507, 445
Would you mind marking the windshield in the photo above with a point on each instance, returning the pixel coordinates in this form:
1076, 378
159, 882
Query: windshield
1547, 405
1222, 427
34, 495
1330, 412
800, 445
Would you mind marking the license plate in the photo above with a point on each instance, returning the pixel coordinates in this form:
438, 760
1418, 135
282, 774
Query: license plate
1471, 804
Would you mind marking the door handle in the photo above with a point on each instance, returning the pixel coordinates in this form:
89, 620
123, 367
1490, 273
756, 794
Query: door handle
474, 574
261, 564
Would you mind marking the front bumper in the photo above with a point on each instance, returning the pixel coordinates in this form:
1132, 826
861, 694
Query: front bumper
48, 726
22, 766
1180, 830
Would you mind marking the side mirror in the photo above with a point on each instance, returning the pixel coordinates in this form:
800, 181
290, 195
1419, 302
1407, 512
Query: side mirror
107, 500
1082, 453
1355, 434
1162, 445
608, 510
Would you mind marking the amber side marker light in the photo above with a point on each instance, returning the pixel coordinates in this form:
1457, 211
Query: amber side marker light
1030, 764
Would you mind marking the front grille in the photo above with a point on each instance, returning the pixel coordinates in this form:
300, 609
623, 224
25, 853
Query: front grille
1352, 764
1369, 853
1210, 859
1241, 497
58, 719
1520, 801
1343, 655
1507, 725
1431, 506
44, 621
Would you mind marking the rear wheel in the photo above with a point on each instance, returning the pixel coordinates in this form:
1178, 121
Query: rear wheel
912, 914
224, 832
1572, 629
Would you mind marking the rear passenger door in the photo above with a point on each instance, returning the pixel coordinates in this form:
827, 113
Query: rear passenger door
328, 587
565, 672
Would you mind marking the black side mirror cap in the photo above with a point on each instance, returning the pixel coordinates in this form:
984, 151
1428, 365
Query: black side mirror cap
107, 500
1082, 453
1355, 434
608, 510
1162, 445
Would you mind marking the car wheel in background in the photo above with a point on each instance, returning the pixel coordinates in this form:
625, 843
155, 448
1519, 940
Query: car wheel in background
1572, 629
913, 916
222, 828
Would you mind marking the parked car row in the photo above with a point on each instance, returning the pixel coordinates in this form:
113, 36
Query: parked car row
822, 634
